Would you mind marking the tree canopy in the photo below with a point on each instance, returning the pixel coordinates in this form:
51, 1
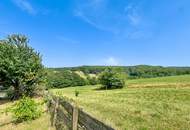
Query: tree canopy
111, 79
64, 78
20, 66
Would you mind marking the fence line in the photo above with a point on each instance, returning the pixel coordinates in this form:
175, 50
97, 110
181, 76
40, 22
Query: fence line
67, 116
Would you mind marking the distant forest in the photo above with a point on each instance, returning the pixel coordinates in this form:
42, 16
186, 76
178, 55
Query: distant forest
133, 72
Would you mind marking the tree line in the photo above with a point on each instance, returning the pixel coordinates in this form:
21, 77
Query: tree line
67, 78
133, 72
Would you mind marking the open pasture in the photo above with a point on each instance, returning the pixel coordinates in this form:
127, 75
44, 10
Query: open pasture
144, 104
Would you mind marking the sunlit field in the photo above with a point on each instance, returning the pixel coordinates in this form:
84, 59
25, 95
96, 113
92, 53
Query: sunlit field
144, 104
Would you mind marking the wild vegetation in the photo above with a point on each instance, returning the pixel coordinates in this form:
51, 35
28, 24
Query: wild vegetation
133, 72
63, 79
111, 79
145, 104
8, 122
67, 78
25, 109
21, 72
21, 69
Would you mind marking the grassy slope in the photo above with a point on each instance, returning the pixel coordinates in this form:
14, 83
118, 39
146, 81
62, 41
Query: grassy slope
159, 103
6, 121
183, 79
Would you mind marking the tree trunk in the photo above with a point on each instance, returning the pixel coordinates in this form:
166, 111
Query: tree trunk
17, 91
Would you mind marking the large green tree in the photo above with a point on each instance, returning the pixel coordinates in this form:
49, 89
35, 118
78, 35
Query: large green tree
20, 66
111, 79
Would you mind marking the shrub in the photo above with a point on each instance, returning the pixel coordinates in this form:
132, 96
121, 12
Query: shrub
26, 109
76, 93
110, 79
92, 80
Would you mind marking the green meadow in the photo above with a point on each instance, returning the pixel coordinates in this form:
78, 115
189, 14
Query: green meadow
143, 104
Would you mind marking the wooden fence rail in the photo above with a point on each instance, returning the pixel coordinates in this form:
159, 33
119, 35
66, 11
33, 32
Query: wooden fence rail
67, 116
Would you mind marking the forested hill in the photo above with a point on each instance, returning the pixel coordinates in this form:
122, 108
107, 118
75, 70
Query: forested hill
140, 71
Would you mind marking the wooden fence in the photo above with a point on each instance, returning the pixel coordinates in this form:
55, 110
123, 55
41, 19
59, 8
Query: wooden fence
67, 116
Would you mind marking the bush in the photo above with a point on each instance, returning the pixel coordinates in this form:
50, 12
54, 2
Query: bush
92, 80
76, 93
110, 79
26, 109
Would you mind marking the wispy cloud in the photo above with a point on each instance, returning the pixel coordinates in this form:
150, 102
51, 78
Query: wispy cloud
80, 14
93, 13
111, 61
85, 18
25, 6
124, 22
132, 14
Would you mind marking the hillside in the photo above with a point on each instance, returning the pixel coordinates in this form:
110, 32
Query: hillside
133, 72
155, 103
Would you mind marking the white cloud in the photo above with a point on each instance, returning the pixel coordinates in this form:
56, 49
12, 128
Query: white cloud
134, 19
93, 12
132, 14
124, 22
111, 61
81, 15
25, 6
85, 18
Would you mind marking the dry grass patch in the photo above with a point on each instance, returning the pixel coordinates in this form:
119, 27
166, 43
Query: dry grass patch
7, 122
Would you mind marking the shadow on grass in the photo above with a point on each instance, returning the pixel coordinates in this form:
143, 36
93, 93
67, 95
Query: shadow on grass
4, 101
104, 88
7, 123
11, 122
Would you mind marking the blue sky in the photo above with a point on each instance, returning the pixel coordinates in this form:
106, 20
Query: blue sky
102, 32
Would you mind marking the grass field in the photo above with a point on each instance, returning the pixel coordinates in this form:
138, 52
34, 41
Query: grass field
7, 122
144, 104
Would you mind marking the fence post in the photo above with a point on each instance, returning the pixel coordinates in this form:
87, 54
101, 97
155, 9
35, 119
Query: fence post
75, 118
55, 111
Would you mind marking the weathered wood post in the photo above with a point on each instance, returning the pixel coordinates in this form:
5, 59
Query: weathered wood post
75, 118
55, 111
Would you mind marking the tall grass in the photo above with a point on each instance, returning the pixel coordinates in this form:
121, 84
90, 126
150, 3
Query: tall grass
160, 104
